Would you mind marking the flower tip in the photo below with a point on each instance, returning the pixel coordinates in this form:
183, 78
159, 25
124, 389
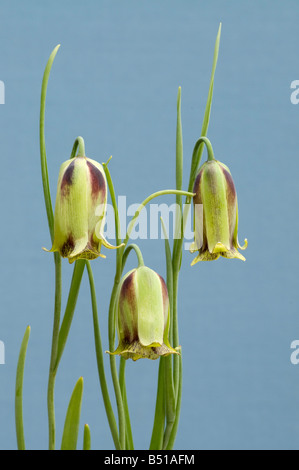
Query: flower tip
195, 261
244, 246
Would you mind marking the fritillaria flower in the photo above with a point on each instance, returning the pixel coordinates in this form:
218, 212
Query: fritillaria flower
143, 316
80, 208
215, 214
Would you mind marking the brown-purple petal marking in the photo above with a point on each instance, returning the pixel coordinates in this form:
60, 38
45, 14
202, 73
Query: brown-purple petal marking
128, 294
165, 298
67, 247
231, 190
231, 197
97, 180
196, 189
67, 179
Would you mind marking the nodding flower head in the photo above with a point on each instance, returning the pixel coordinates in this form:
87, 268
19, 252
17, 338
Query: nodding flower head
143, 316
215, 214
80, 209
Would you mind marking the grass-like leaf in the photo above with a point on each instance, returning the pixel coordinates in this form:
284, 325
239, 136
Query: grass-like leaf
72, 419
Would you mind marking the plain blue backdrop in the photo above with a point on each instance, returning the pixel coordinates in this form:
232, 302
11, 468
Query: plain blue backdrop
115, 81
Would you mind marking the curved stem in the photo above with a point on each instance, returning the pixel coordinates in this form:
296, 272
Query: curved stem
145, 202
208, 144
137, 250
79, 142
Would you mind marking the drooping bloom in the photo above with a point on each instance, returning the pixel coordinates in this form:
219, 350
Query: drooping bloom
215, 214
80, 208
143, 316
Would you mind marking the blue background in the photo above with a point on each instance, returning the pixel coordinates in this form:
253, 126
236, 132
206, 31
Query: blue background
115, 81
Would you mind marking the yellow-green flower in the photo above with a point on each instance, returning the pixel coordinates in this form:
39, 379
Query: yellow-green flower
143, 316
215, 214
80, 208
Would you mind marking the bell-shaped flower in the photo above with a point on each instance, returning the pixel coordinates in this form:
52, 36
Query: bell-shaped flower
215, 214
143, 316
80, 208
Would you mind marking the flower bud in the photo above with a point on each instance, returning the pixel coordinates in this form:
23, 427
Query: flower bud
215, 214
143, 316
80, 208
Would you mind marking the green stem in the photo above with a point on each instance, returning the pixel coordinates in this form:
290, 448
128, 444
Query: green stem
57, 259
175, 331
100, 360
122, 382
174, 430
70, 308
137, 250
159, 419
170, 404
177, 252
55, 337
111, 316
145, 202
79, 142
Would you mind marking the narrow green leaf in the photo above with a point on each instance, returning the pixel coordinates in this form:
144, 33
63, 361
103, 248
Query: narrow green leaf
179, 174
199, 149
19, 391
179, 147
43, 157
86, 438
72, 419
169, 275
168, 372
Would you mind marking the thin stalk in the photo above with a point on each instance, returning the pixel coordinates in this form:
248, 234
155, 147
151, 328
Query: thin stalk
159, 419
170, 402
122, 382
137, 250
54, 348
178, 247
174, 430
57, 259
79, 143
114, 373
70, 308
111, 316
164, 192
100, 360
